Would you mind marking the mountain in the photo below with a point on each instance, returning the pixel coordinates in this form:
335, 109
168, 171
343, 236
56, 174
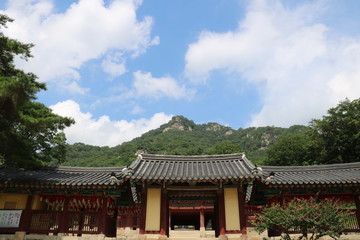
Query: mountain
181, 136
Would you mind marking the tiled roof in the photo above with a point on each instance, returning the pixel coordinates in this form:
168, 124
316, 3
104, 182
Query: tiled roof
63, 176
191, 168
335, 174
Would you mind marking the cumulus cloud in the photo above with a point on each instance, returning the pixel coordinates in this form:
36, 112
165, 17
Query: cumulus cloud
114, 65
87, 30
73, 88
288, 54
145, 85
104, 131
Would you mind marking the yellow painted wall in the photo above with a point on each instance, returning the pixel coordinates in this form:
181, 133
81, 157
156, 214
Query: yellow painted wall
232, 217
20, 200
153, 207
37, 204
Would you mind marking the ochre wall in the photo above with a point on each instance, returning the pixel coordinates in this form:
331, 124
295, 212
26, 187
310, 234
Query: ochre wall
153, 204
36, 204
20, 200
231, 201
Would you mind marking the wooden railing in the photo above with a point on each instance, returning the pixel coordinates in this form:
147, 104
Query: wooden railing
75, 223
250, 212
351, 222
44, 222
83, 222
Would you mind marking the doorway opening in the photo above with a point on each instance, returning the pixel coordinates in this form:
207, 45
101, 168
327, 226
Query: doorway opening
185, 221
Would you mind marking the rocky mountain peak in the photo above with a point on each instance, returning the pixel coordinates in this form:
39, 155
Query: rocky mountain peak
179, 123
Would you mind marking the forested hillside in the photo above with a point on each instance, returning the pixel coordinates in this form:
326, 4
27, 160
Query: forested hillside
181, 136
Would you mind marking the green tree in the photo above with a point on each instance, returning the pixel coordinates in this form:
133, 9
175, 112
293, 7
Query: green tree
290, 150
29, 131
337, 135
225, 147
314, 219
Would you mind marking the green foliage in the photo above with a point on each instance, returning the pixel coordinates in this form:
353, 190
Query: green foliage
314, 219
181, 136
29, 134
337, 135
225, 147
333, 139
290, 150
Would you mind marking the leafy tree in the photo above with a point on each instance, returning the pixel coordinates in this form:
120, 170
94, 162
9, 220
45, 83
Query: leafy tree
314, 219
337, 135
333, 139
225, 147
29, 131
290, 150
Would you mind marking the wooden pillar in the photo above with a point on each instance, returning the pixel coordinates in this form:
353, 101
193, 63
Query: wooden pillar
170, 214
138, 216
164, 218
26, 216
221, 211
128, 222
120, 229
215, 221
143, 211
242, 210
202, 221
64, 216
357, 203
102, 219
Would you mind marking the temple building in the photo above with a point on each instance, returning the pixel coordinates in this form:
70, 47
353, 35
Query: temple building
160, 196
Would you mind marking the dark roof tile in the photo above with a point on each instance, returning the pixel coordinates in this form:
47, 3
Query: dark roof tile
151, 167
65, 176
345, 173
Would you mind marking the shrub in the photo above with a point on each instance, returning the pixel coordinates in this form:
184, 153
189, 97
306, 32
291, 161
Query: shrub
313, 219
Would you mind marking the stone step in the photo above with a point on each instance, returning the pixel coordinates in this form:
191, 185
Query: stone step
191, 238
191, 235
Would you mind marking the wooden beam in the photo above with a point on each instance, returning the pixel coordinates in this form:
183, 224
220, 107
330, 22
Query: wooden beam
193, 188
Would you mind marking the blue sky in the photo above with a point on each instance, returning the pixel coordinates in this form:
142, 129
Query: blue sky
123, 67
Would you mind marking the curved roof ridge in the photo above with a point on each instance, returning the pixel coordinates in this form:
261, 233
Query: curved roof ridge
192, 157
84, 169
172, 167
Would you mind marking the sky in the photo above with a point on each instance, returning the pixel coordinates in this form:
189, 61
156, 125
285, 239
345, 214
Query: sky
123, 67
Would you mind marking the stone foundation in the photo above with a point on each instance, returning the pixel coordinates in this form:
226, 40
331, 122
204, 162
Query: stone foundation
251, 235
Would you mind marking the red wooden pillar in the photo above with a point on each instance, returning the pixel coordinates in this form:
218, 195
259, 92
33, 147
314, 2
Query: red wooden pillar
26, 216
123, 221
170, 213
138, 216
164, 218
242, 213
357, 203
129, 222
221, 209
102, 219
64, 216
143, 210
202, 221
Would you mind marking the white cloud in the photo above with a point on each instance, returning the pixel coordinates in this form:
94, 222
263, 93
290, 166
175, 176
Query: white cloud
145, 85
73, 88
114, 65
286, 53
87, 30
137, 109
104, 131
